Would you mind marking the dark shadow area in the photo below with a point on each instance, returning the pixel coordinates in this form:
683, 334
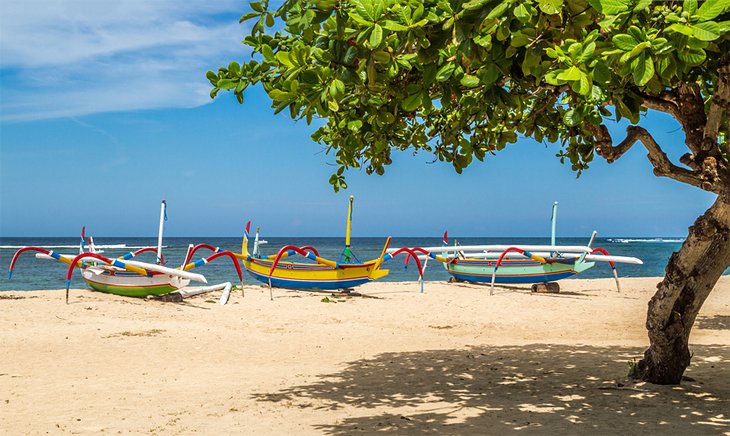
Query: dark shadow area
545, 389
716, 322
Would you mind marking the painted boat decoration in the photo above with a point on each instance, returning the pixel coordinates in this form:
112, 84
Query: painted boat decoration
323, 274
520, 264
127, 277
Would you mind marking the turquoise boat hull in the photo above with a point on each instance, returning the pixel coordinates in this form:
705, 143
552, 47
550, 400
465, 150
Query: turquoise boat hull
514, 271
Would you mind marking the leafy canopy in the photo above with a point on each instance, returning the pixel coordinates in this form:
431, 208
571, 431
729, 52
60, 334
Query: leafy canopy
462, 79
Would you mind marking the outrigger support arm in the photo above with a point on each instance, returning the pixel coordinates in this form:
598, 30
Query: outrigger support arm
410, 252
113, 262
306, 251
192, 251
218, 253
132, 254
50, 253
540, 259
613, 265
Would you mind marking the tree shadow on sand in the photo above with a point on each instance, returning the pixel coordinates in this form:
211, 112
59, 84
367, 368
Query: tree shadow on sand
496, 390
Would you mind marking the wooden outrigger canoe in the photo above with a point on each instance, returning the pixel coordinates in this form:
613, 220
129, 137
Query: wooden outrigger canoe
519, 264
515, 270
323, 274
131, 278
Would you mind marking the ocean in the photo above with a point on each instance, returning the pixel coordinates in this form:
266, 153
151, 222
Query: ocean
31, 273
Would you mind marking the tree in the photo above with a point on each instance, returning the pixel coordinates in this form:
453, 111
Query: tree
462, 79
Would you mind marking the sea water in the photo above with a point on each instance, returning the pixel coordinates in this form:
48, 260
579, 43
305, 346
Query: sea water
31, 273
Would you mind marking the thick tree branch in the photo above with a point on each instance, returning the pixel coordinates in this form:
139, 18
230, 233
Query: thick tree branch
659, 160
661, 104
692, 116
719, 106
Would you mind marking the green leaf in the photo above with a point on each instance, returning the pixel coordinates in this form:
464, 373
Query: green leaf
639, 48
712, 8
279, 95
552, 78
690, 6
395, 27
475, 4
643, 69
381, 56
572, 117
268, 54
572, 73
355, 126
256, 6
499, 10
376, 37
551, 7
519, 40
707, 31
601, 72
587, 53
692, 57
681, 28
365, 9
248, 16
642, 4
469, 81
491, 75
283, 57
613, 7
337, 88
521, 13
411, 103
350, 56
445, 72
624, 42
585, 85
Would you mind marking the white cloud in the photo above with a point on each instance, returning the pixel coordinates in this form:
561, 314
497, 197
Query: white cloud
71, 58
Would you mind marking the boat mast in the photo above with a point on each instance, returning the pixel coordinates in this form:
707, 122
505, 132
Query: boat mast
163, 206
256, 243
553, 219
346, 254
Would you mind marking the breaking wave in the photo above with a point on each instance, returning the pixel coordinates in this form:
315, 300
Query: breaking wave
652, 240
107, 246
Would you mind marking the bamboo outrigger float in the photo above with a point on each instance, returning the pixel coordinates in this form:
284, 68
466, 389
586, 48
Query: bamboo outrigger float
515, 264
324, 274
131, 278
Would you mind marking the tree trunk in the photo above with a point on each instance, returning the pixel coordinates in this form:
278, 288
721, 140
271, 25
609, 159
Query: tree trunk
691, 274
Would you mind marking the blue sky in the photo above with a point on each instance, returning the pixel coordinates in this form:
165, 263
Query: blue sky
104, 111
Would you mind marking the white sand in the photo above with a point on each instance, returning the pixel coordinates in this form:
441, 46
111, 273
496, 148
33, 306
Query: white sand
453, 360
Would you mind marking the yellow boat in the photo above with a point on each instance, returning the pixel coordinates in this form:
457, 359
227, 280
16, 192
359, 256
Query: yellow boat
323, 274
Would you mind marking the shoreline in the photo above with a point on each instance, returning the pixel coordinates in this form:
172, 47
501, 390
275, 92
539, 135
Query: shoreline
452, 360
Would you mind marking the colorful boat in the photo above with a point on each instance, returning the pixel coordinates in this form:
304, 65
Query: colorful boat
520, 263
123, 276
322, 274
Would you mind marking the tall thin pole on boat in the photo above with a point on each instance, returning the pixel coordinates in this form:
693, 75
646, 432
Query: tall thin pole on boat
553, 220
347, 252
256, 243
159, 235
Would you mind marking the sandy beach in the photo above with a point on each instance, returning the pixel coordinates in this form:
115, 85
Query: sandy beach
453, 360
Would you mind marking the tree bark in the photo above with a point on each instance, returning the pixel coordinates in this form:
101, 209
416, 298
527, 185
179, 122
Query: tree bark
691, 274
